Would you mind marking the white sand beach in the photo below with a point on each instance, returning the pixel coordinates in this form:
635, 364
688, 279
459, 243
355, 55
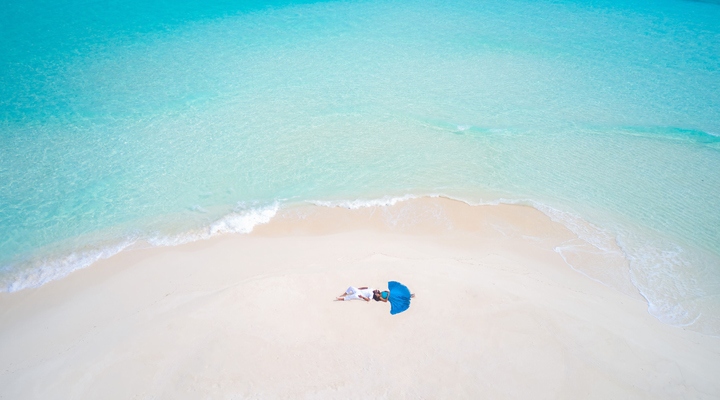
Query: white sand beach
498, 314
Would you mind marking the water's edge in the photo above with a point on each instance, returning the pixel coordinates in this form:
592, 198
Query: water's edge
604, 256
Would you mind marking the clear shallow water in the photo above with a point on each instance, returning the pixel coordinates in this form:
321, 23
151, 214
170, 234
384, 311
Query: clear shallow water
171, 121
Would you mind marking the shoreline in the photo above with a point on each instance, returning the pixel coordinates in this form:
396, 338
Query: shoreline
58, 266
497, 312
587, 249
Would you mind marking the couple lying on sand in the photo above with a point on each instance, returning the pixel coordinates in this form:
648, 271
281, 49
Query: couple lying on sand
397, 294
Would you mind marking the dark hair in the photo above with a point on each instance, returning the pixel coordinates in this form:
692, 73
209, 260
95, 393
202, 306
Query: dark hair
376, 295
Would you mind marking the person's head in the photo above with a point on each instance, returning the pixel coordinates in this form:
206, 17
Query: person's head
376, 295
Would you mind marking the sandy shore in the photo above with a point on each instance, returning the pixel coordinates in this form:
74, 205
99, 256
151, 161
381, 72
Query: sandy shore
498, 314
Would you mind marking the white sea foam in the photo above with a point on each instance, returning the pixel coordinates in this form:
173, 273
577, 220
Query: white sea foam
56, 268
242, 220
363, 203
464, 127
665, 274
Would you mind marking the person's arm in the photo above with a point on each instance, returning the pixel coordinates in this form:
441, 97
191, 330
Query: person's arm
363, 297
384, 299
363, 288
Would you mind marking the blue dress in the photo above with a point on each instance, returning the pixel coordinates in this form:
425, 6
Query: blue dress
399, 297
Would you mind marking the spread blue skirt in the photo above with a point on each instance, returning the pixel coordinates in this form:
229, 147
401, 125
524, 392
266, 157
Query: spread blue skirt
399, 297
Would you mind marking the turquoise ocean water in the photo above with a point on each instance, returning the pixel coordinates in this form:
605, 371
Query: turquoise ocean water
169, 121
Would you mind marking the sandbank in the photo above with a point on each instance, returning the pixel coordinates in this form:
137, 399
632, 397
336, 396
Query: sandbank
498, 314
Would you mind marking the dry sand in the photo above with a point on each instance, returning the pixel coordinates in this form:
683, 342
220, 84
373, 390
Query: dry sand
498, 314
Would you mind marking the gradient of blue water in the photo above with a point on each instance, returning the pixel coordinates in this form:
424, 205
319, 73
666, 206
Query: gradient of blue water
135, 120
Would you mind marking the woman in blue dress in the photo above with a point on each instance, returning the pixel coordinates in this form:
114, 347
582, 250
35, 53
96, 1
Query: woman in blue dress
397, 294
